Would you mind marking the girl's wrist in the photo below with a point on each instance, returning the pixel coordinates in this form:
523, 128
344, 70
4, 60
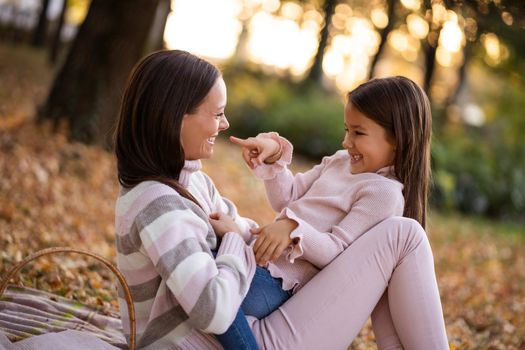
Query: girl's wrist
276, 156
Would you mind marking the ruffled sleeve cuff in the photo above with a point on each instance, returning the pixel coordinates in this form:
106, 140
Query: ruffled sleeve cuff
269, 171
297, 236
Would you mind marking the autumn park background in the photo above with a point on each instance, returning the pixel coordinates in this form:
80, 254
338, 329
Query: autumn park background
287, 65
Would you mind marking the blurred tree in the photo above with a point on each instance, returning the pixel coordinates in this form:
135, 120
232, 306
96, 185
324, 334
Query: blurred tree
87, 89
156, 36
430, 45
505, 18
55, 44
316, 71
40, 32
383, 33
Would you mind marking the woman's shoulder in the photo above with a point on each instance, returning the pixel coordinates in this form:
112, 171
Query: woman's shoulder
146, 194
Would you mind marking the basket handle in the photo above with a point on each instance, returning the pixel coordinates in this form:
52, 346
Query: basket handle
48, 251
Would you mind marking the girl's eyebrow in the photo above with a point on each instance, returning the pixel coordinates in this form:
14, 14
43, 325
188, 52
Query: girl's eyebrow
356, 126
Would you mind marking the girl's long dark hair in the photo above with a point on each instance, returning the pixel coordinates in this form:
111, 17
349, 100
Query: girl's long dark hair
162, 88
402, 108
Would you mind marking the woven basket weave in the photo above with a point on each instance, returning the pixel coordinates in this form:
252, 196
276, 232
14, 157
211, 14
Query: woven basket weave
49, 251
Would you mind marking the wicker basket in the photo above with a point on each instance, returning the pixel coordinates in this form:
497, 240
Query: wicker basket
49, 251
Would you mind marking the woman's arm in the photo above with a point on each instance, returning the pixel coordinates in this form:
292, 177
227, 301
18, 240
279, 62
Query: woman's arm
224, 205
209, 290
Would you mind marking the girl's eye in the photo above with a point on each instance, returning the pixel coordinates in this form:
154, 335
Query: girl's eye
359, 133
219, 115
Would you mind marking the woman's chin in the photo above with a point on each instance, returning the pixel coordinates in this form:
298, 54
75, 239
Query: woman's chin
208, 154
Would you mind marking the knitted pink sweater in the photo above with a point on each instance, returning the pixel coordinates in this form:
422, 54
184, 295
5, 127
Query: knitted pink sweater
332, 207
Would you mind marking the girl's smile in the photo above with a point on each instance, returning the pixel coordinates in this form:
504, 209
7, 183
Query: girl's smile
368, 144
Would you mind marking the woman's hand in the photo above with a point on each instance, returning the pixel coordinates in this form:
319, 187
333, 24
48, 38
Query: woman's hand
223, 223
272, 240
256, 150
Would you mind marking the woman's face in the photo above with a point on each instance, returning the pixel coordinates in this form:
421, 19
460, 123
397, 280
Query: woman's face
200, 129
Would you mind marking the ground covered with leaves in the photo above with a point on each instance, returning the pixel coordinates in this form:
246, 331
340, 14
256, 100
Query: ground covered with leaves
57, 193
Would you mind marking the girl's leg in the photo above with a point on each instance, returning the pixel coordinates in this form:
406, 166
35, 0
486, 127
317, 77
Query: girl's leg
238, 336
265, 294
331, 309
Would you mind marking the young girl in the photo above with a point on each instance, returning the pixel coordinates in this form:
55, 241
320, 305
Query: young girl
383, 172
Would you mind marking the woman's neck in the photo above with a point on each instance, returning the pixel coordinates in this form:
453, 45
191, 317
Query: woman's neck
190, 166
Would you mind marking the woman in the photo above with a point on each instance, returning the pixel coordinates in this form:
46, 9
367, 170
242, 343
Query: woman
171, 113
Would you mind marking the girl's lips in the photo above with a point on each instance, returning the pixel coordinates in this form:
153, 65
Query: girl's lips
354, 158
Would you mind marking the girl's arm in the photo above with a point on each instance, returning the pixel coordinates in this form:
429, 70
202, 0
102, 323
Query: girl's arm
282, 187
373, 203
209, 290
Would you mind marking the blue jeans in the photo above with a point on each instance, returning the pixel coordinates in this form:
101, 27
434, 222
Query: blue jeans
264, 296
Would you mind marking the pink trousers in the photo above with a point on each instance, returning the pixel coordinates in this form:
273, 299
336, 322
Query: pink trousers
388, 273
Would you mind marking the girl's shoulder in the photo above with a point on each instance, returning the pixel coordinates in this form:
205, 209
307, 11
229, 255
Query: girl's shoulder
336, 158
388, 190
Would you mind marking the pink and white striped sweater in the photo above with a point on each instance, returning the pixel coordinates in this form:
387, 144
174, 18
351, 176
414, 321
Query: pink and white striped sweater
164, 243
332, 207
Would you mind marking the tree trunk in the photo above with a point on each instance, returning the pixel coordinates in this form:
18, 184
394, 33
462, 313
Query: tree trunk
384, 35
156, 35
316, 72
430, 48
87, 90
462, 74
40, 33
55, 45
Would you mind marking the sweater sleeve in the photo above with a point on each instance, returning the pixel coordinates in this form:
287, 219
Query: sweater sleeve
209, 290
373, 203
282, 187
225, 205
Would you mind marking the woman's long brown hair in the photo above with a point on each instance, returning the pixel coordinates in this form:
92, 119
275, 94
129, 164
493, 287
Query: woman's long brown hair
402, 108
162, 88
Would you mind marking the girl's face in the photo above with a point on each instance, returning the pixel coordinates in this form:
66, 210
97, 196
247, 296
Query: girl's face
367, 142
199, 129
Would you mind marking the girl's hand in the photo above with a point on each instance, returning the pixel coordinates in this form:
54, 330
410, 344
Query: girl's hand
223, 223
256, 150
272, 240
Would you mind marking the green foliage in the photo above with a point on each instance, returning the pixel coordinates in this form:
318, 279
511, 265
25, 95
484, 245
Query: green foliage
309, 117
482, 170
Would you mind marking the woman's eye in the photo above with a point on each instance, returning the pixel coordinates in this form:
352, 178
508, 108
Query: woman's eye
219, 115
359, 133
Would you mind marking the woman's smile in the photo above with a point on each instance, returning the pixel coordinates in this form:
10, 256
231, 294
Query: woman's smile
201, 128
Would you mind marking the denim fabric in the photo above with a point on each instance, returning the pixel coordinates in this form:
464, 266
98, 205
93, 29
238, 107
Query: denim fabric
238, 336
265, 294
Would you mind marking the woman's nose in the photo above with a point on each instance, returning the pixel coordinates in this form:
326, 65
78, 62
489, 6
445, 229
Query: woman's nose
223, 124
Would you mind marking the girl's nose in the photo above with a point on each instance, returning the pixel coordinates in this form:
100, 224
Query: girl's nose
347, 143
